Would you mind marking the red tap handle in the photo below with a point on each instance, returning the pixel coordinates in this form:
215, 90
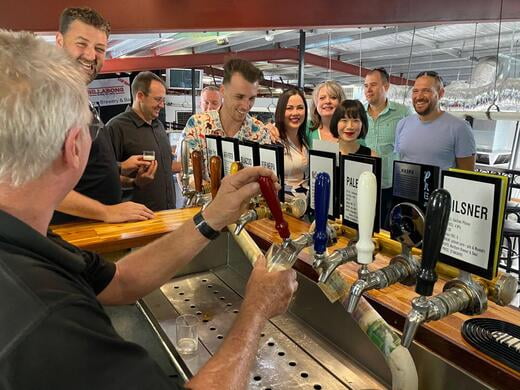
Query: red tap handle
269, 192
215, 171
196, 163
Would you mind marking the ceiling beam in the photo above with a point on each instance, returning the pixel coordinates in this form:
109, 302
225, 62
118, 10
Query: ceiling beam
209, 15
200, 60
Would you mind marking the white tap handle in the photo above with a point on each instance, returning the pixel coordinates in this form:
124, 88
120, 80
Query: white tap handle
366, 212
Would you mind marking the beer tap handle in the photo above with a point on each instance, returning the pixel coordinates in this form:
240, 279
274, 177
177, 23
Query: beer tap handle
196, 162
235, 167
436, 221
215, 172
271, 197
321, 205
366, 212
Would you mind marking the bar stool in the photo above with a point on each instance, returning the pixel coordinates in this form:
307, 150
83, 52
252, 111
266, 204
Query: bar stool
513, 208
511, 234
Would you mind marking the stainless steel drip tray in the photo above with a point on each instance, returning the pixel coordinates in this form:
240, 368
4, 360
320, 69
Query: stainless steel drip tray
290, 355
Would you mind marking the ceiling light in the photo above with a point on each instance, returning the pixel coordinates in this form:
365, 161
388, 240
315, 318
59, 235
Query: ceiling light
221, 41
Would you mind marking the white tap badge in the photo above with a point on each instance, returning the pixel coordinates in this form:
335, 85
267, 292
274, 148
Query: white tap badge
322, 162
352, 169
211, 147
246, 155
472, 240
268, 159
228, 155
110, 92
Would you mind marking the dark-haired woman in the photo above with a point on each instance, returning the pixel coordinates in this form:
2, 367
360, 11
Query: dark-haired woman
349, 123
290, 121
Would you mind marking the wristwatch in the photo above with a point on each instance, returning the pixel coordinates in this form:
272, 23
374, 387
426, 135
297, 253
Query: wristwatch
202, 226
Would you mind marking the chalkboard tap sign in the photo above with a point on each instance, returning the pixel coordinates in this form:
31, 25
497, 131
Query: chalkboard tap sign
351, 168
414, 183
230, 153
213, 148
249, 153
474, 235
325, 162
271, 156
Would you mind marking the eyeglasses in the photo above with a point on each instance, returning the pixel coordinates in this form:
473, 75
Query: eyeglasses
158, 99
95, 125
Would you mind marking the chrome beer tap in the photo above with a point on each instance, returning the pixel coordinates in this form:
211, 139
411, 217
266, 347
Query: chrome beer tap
364, 246
187, 192
406, 226
281, 256
459, 295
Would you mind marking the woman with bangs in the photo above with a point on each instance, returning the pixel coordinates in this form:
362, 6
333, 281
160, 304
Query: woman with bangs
349, 123
290, 121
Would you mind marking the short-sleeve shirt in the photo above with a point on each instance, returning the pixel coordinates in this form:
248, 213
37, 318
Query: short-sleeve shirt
55, 333
381, 137
438, 142
100, 180
131, 135
208, 123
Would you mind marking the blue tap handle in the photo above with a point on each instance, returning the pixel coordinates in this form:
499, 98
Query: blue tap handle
321, 206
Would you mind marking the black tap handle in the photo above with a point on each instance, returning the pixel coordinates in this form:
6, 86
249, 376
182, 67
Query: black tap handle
436, 221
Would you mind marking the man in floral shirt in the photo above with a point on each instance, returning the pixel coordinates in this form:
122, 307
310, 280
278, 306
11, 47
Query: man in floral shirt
239, 90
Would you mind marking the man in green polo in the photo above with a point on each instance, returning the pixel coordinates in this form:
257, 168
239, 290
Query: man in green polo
383, 116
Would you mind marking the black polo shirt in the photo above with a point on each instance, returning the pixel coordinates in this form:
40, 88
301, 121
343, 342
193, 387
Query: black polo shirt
100, 180
131, 135
54, 333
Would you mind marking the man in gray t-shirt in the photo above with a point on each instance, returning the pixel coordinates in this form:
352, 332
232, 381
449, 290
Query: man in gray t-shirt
433, 136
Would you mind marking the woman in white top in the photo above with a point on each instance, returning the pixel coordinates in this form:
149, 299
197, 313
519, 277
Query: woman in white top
290, 120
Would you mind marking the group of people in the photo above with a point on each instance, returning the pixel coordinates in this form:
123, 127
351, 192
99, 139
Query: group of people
58, 162
381, 127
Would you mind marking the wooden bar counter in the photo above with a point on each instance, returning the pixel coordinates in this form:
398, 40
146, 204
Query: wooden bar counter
393, 303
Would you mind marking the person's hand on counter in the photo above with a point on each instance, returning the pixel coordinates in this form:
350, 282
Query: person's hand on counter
132, 164
233, 197
146, 175
127, 212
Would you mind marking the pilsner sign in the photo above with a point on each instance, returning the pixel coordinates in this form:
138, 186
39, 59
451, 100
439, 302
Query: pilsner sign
473, 237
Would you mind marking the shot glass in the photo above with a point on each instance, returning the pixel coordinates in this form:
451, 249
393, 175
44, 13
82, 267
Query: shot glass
149, 155
187, 338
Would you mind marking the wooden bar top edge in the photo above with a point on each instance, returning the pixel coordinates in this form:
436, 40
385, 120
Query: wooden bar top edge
393, 303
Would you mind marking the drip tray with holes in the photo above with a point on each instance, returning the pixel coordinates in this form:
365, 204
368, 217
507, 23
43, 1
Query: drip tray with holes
283, 359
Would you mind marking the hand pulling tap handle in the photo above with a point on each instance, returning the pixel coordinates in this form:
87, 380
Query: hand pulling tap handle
185, 153
436, 221
366, 212
196, 162
271, 197
321, 205
215, 171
